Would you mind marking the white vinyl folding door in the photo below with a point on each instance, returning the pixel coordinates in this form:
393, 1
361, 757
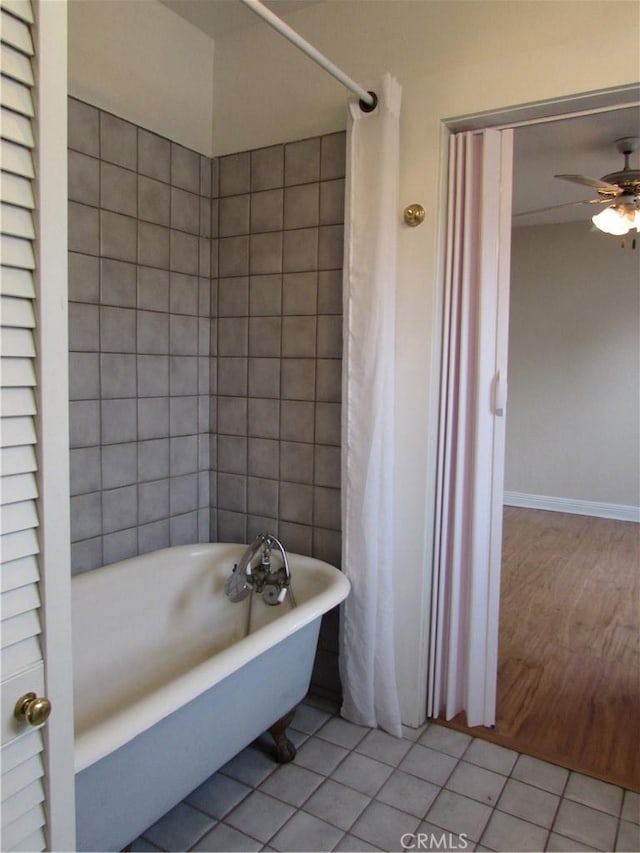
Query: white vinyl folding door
470, 484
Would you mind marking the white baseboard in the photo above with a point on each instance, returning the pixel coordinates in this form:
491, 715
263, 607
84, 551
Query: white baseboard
621, 512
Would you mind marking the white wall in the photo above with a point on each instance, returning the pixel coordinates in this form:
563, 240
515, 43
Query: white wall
141, 61
452, 59
573, 421
458, 56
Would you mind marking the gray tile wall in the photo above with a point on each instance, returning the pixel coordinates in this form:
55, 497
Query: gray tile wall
279, 344
205, 345
139, 339
278, 352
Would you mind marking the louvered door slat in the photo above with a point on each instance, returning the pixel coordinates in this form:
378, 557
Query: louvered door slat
29, 825
18, 372
19, 777
17, 545
17, 190
17, 343
18, 253
17, 128
16, 96
36, 841
18, 312
18, 573
21, 803
17, 431
26, 653
17, 222
20, 600
21, 749
21, 9
16, 32
15, 402
16, 65
14, 460
19, 487
22, 794
20, 627
15, 517
17, 282
16, 159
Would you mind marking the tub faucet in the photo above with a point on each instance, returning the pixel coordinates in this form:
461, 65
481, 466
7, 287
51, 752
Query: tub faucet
259, 576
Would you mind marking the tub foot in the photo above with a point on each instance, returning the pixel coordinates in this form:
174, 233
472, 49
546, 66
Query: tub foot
285, 750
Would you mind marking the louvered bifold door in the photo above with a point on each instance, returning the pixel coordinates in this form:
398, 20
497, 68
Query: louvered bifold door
23, 790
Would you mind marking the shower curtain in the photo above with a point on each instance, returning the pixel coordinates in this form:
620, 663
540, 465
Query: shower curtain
367, 650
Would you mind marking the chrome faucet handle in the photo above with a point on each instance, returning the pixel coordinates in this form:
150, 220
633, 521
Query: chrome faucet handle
237, 586
240, 582
245, 561
274, 594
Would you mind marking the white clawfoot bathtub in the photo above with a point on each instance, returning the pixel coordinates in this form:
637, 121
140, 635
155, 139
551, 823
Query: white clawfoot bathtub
168, 686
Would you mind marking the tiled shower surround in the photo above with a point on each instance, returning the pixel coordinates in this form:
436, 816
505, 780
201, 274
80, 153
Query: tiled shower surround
139, 339
205, 336
279, 339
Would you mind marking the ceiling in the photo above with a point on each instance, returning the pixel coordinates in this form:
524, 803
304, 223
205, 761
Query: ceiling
584, 145
218, 18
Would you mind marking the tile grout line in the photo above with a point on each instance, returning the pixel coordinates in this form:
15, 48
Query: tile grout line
373, 798
300, 808
510, 777
561, 798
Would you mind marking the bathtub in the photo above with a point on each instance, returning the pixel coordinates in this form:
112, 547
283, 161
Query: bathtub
168, 684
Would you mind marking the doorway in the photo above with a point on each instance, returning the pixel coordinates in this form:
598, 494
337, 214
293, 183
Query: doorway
568, 661
540, 724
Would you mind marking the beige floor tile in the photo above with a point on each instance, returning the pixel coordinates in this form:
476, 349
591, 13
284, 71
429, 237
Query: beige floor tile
529, 803
582, 823
476, 782
459, 814
505, 832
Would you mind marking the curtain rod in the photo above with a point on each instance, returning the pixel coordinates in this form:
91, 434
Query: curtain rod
368, 100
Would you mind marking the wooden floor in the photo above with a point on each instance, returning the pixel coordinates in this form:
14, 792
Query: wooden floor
569, 655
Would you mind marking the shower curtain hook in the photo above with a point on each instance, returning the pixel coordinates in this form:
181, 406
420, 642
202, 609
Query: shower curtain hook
369, 108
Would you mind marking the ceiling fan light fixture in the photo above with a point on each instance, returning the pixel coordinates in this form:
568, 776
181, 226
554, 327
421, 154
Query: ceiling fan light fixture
618, 218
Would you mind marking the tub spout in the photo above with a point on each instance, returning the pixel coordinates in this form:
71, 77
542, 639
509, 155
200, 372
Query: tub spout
249, 554
247, 575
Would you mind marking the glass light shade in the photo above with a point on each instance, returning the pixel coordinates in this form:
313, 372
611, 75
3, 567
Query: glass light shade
618, 218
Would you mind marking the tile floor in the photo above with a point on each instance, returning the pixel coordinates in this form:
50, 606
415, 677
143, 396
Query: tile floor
355, 789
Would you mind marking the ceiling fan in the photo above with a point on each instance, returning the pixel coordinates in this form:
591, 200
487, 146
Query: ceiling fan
620, 191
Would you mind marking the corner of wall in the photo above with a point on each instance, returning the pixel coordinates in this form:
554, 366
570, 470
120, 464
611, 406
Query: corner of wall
164, 83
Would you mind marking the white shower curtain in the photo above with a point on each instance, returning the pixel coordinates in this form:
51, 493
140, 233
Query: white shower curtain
367, 650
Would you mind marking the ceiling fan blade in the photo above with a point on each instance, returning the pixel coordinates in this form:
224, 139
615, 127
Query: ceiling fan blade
560, 206
595, 183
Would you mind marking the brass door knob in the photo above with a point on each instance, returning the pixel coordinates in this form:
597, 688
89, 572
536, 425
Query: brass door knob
414, 215
32, 709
